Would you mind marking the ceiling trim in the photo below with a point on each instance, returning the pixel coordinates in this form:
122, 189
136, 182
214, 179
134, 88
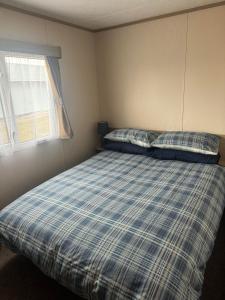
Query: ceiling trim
52, 19
180, 12
42, 16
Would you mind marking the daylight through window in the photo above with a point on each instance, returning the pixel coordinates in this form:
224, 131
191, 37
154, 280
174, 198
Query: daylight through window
27, 110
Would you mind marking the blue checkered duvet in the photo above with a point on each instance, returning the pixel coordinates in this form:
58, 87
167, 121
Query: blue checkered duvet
121, 226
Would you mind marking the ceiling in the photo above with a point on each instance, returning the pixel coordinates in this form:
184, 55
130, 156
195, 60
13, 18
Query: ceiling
99, 14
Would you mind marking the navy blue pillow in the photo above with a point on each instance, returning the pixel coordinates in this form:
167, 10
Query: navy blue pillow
171, 154
125, 147
163, 154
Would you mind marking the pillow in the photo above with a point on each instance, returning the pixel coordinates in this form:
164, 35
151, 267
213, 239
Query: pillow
125, 148
139, 137
170, 154
198, 142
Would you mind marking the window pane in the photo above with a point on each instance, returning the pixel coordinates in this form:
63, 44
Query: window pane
31, 98
31, 108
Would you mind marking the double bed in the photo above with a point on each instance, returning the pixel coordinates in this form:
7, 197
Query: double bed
121, 226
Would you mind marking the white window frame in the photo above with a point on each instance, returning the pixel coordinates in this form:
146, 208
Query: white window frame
8, 111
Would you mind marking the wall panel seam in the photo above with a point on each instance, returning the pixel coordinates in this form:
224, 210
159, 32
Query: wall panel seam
185, 70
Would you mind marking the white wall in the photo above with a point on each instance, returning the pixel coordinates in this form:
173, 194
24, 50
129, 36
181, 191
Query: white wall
168, 74
28, 168
140, 72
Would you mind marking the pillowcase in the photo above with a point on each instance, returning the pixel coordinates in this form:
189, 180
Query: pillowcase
125, 148
198, 142
163, 154
170, 154
139, 137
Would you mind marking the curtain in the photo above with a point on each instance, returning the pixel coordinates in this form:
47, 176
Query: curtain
65, 130
6, 121
5, 130
31, 101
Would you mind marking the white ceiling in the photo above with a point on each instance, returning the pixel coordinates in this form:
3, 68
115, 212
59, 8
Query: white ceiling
98, 14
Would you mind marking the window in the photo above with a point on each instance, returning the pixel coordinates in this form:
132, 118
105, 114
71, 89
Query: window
27, 107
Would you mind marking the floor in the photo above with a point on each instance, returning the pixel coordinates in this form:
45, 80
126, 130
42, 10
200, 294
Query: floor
21, 280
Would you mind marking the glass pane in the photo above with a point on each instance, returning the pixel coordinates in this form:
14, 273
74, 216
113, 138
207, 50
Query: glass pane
31, 97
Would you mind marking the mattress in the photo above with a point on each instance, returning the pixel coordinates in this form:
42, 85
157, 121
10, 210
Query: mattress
121, 226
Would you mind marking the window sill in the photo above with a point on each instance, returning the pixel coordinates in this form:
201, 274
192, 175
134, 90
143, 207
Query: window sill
26, 146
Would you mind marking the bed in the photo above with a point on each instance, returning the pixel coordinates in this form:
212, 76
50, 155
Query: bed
121, 226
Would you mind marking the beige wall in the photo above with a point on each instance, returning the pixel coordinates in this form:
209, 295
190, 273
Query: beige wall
204, 107
27, 168
167, 74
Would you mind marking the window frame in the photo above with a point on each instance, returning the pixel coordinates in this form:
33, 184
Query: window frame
9, 115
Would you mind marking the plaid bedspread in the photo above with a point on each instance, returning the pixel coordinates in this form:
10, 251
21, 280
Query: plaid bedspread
121, 226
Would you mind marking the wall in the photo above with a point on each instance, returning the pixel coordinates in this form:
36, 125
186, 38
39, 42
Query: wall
168, 74
28, 168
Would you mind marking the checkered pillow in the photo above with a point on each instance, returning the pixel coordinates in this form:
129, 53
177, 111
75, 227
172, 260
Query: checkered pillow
198, 142
139, 137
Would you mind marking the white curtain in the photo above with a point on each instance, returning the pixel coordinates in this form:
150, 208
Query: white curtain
65, 130
6, 122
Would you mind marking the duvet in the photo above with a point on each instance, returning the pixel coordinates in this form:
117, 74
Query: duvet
121, 226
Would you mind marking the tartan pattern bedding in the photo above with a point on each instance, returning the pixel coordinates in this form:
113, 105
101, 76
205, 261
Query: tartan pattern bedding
121, 226
139, 137
199, 142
